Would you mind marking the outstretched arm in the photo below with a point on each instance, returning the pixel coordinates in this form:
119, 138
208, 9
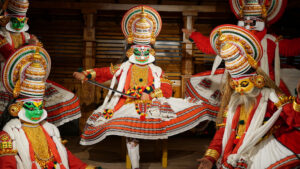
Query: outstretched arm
202, 42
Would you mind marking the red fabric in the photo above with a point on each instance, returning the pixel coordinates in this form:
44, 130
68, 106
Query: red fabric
6, 49
202, 42
103, 74
289, 47
166, 90
8, 162
216, 143
74, 162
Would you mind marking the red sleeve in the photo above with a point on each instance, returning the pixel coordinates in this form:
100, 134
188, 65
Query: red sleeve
216, 143
289, 47
290, 116
8, 162
103, 74
5, 48
74, 162
202, 42
166, 89
7, 158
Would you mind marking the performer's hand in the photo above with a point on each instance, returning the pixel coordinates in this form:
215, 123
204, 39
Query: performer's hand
145, 96
205, 163
80, 76
33, 41
188, 32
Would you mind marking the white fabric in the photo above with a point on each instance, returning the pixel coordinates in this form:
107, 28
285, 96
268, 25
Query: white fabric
122, 72
266, 153
216, 82
264, 64
256, 129
20, 143
134, 153
216, 64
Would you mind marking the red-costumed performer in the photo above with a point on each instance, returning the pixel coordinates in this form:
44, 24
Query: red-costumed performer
258, 124
153, 114
27, 140
252, 15
61, 104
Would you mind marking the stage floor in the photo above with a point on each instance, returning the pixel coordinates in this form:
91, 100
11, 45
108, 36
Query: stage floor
183, 150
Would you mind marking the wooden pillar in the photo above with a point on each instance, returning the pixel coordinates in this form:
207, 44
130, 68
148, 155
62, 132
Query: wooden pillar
187, 67
87, 96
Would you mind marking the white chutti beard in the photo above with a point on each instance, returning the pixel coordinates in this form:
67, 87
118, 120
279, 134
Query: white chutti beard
259, 26
247, 99
9, 28
133, 60
23, 117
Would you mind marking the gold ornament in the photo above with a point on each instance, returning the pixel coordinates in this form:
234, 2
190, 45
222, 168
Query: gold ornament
129, 39
17, 89
258, 81
129, 52
296, 106
139, 76
15, 108
212, 153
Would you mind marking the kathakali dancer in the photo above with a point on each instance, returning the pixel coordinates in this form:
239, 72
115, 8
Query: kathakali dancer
62, 105
260, 125
148, 111
253, 15
27, 140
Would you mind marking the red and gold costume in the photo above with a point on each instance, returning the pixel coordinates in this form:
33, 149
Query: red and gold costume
27, 140
62, 105
265, 133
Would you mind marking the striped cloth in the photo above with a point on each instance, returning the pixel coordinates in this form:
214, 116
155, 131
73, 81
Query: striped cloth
126, 122
61, 105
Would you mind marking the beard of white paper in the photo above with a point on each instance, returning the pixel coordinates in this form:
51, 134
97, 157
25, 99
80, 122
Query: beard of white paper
246, 99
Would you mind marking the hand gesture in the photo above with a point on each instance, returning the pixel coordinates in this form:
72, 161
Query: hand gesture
80, 76
205, 163
33, 40
188, 32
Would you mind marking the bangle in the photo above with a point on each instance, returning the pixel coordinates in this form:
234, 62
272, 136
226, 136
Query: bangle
90, 74
296, 106
212, 153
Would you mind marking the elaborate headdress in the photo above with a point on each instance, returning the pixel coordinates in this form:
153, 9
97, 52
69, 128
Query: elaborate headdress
240, 49
26, 71
141, 25
271, 10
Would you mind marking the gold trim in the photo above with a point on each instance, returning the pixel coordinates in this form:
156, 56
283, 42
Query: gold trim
221, 125
164, 80
212, 153
283, 99
296, 106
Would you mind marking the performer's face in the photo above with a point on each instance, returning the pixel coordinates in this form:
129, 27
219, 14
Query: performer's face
18, 23
252, 23
141, 53
33, 110
244, 86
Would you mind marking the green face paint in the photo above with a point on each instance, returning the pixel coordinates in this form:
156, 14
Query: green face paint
33, 110
141, 54
18, 23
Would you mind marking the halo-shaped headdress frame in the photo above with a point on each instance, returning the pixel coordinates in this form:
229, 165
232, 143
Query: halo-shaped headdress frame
247, 43
19, 61
133, 15
275, 8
